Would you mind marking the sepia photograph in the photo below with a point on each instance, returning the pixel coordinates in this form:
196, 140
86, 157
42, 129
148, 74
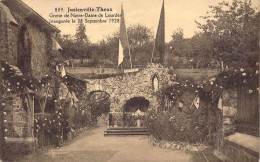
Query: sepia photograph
129, 80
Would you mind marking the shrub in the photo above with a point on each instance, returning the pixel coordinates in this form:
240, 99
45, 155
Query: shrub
177, 126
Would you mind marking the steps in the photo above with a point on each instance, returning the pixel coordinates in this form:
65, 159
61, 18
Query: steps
241, 147
126, 131
221, 156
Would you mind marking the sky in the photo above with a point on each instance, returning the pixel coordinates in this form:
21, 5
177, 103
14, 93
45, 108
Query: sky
178, 14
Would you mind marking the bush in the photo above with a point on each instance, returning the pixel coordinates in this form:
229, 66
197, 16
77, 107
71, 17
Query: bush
177, 126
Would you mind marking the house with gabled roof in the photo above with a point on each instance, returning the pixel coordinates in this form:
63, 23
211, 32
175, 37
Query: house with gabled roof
27, 49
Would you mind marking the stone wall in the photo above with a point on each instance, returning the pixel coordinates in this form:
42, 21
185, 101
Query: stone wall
12, 36
17, 119
229, 110
3, 36
40, 43
39, 53
124, 87
18, 123
240, 147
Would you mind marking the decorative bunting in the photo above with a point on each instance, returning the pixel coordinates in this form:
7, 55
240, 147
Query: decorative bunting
196, 101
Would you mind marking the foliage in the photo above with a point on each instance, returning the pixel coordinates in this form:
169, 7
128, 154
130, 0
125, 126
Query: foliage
191, 126
233, 31
177, 43
108, 48
228, 33
177, 127
194, 51
99, 104
81, 33
52, 124
140, 41
77, 46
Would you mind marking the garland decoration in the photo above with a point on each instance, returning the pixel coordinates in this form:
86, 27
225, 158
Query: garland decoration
212, 88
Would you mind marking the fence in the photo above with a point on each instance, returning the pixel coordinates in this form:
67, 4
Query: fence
248, 109
197, 74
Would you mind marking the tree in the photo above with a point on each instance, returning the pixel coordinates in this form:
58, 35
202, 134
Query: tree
81, 34
108, 48
140, 41
200, 52
233, 30
177, 43
68, 45
82, 42
139, 35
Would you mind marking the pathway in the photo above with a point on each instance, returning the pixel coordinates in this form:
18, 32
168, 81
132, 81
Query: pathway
97, 148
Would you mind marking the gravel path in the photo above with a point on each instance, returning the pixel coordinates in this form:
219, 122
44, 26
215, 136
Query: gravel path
97, 148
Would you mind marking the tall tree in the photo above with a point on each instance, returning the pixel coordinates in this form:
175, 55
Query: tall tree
177, 42
82, 42
81, 33
140, 41
233, 29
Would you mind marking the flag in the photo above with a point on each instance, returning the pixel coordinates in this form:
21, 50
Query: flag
220, 103
123, 39
196, 102
121, 53
159, 45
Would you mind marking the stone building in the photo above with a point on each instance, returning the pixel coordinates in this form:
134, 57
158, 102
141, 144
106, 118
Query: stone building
27, 44
26, 38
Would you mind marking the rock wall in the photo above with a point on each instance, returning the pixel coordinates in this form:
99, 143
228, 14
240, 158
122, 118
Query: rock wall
12, 36
18, 121
39, 51
123, 88
5, 28
229, 110
40, 41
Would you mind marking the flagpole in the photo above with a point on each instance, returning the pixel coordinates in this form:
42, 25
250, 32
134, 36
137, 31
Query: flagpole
153, 51
129, 50
130, 54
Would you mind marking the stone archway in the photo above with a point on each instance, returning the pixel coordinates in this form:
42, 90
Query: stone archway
136, 103
134, 111
99, 103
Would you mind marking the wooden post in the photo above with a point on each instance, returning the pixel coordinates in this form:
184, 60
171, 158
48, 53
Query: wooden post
2, 142
209, 119
32, 115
